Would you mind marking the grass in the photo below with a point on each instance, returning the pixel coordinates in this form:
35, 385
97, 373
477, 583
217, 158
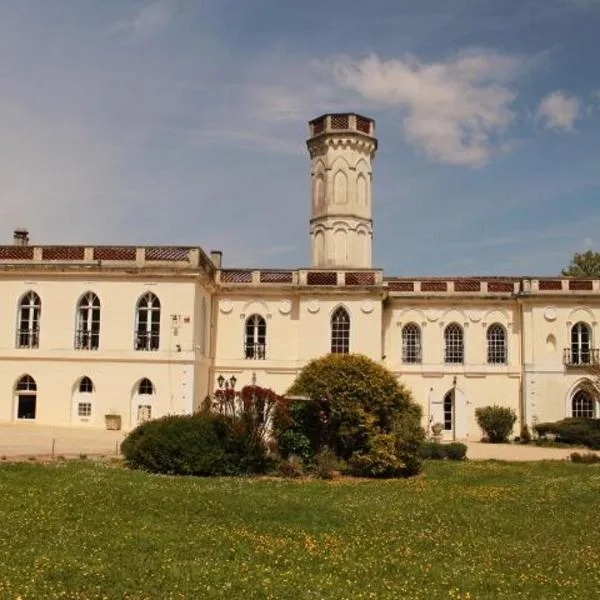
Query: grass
92, 530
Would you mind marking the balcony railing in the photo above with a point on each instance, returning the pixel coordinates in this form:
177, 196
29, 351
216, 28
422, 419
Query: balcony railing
28, 338
255, 351
581, 357
87, 340
148, 340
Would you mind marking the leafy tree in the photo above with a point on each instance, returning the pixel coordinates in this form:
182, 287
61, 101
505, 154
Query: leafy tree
584, 264
357, 409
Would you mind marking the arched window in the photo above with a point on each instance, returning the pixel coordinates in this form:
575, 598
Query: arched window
145, 387
26, 392
255, 338
496, 344
28, 328
582, 405
340, 331
147, 327
87, 334
454, 351
580, 344
84, 401
411, 343
86, 386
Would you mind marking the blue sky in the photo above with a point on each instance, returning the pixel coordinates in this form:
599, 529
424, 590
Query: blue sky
184, 122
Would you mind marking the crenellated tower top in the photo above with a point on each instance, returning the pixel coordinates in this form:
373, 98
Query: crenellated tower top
342, 147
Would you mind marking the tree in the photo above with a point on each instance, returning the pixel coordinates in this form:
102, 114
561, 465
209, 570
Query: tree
357, 409
584, 264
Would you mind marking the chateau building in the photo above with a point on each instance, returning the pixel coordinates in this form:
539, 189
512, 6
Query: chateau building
141, 332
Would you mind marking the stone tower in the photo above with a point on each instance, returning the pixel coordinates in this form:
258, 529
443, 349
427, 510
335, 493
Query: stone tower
341, 147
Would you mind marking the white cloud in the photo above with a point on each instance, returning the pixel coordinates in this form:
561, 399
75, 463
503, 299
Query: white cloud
152, 18
454, 110
559, 110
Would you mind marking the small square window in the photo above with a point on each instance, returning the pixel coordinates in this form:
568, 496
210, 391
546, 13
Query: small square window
84, 409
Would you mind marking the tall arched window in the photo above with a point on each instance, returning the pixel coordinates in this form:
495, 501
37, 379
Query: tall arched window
26, 392
147, 327
87, 334
580, 344
340, 331
255, 338
454, 345
84, 400
28, 328
411, 343
582, 405
496, 344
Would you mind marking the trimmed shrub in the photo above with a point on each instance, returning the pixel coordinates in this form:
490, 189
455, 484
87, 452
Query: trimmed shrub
587, 458
201, 444
578, 432
435, 451
456, 451
432, 450
497, 422
358, 410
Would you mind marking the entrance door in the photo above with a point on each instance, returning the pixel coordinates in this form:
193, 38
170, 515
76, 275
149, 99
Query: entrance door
26, 406
448, 408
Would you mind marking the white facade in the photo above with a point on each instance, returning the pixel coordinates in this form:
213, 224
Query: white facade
143, 332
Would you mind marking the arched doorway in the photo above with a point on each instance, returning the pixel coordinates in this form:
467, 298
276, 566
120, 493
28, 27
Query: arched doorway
25, 398
452, 411
143, 405
82, 410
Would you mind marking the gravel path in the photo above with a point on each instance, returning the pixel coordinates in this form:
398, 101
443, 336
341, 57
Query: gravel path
25, 439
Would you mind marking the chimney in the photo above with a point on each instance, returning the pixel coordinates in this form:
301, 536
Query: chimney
21, 237
216, 257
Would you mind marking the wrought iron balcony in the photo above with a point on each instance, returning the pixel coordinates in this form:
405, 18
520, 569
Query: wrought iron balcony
87, 340
28, 338
147, 340
255, 351
581, 357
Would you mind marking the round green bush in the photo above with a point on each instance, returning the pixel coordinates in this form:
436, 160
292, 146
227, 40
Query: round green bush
497, 422
200, 444
357, 409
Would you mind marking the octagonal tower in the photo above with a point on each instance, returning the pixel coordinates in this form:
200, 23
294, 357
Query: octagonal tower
342, 147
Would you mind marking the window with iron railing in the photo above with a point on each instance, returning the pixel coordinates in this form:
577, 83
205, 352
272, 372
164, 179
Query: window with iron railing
147, 329
28, 328
255, 338
454, 345
87, 333
411, 344
496, 345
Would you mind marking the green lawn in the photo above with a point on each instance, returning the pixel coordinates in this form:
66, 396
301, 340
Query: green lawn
468, 530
